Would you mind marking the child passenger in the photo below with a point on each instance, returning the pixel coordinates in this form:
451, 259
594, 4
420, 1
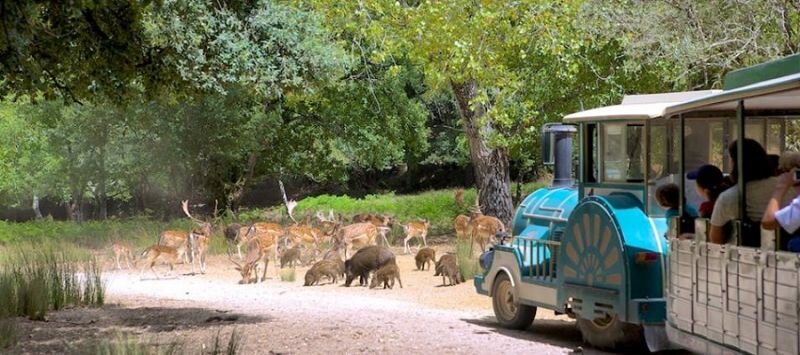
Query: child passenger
668, 197
709, 183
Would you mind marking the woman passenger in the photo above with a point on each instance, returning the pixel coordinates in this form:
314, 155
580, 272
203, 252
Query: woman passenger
759, 183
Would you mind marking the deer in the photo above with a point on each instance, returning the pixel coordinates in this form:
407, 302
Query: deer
198, 239
121, 250
261, 246
355, 235
328, 224
461, 224
418, 229
178, 239
159, 253
458, 196
484, 228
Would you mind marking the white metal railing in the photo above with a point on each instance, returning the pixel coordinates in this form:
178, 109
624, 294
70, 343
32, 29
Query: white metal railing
747, 299
539, 257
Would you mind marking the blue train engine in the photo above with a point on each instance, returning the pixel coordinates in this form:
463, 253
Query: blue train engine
594, 248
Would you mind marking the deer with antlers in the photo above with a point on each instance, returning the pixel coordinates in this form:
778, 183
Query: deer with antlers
198, 239
260, 248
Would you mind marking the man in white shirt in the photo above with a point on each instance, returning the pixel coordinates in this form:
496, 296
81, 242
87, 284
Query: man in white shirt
788, 217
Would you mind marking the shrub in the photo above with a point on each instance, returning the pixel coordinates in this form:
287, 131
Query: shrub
233, 345
467, 262
8, 332
38, 278
124, 344
287, 274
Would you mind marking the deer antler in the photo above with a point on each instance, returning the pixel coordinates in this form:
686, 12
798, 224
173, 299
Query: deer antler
290, 205
185, 207
233, 261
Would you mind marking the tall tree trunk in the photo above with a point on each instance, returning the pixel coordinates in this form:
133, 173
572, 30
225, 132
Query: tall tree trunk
35, 207
492, 175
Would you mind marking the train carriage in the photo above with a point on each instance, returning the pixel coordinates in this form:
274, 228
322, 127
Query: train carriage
732, 298
597, 249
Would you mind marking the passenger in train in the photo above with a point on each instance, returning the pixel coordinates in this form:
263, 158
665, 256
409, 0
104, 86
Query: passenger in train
774, 163
709, 183
759, 183
787, 218
668, 197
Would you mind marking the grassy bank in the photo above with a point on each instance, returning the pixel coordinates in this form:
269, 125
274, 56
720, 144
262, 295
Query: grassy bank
438, 207
37, 278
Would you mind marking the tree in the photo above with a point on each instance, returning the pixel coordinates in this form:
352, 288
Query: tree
694, 43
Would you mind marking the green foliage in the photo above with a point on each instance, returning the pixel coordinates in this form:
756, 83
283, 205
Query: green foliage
37, 278
139, 232
696, 42
125, 344
9, 333
288, 274
438, 207
468, 264
219, 346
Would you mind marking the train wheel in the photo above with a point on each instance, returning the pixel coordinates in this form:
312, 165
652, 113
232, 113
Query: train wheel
611, 333
508, 312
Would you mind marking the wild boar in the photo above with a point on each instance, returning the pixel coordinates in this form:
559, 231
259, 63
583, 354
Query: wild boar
386, 275
322, 268
290, 256
425, 256
449, 269
365, 261
445, 258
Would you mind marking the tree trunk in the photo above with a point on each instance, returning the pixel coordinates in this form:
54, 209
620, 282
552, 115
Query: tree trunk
35, 207
492, 175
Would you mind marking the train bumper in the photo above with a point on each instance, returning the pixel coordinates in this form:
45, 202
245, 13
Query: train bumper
478, 281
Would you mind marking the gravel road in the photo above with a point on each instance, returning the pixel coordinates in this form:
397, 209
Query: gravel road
278, 317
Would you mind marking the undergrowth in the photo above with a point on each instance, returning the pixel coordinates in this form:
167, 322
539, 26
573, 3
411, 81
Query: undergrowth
38, 278
467, 261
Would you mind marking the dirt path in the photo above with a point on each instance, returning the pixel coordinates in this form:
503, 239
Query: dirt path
287, 318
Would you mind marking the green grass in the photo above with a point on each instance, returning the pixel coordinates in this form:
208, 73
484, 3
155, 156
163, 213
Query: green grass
125, 344
467, 262
288, 274
437, 206
9, 333
38, 278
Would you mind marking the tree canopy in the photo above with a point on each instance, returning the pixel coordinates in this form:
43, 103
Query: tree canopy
140, 102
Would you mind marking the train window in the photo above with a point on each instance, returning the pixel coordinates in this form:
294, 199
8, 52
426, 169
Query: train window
591, 153
658, 152
623, 156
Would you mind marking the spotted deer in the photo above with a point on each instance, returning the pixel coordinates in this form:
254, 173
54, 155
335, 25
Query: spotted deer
260, 247
122, 250
355, 236
416, 229
461, 224
198, 239
159, 253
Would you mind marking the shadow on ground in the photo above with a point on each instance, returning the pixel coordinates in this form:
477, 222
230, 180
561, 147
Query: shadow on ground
77, 328
555, 332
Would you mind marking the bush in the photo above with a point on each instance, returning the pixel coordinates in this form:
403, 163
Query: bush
8, 332
124, 344
234, 344
467, 262
38, 278
287, 274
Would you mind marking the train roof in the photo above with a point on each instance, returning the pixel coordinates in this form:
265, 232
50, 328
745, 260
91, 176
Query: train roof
780, 93
638, 107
